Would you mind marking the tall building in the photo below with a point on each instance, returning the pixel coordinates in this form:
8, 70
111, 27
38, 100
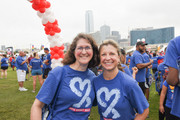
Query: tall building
97, 37
117, 35
152, 36
89, 21
105, 32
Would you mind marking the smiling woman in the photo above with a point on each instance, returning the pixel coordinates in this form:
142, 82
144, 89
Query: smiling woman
71, 84
118, 94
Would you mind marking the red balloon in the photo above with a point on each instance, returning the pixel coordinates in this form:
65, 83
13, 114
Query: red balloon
35, 7
58, 30
49, 25
62, 56
47, 33
48, 4
56, 56
62, 47
36, 2
51, 48
55, 22
60, 52
42, 10
52, 53
52, 57
46, 29
42, 4
56, 49
52, 33
55, 28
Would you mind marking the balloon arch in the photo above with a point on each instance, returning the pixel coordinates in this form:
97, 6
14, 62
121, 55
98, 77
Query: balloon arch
52, 30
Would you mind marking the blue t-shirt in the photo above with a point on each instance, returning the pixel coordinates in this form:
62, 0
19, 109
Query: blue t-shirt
170, 91
155, 62
128, 58
4, 62
48, 57
138, 58
126, 69
36, 64
172, 53
118, 98
19, 60
159, 79
146, 59
76, 93
162, 67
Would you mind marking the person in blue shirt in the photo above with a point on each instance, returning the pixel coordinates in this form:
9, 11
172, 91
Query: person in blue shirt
4, 66
128, 58
76, 94
124, 66
47, 63
36, 67
155, 63
138, 61
118, 95
172, 60
147, 85
21, 70
167, 91
13, 62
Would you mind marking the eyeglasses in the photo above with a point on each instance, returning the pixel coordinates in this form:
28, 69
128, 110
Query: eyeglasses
87, 48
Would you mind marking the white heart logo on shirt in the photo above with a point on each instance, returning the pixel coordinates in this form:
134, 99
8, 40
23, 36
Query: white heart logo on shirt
82, 85
108, 95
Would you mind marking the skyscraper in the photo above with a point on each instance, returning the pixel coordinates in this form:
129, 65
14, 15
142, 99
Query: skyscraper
105, 32
89, 21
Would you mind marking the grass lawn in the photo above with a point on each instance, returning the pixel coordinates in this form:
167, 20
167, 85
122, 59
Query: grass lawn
16, 105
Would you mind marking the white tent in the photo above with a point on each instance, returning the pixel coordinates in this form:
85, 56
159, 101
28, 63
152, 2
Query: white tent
41, 52
131, 50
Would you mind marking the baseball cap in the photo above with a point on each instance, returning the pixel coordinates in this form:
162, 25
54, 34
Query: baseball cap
141, 43
46, 49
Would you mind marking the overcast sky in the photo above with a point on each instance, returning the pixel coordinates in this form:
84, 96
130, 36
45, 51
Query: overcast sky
20, 26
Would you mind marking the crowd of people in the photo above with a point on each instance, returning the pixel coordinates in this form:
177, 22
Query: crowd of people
104, 76
34, 66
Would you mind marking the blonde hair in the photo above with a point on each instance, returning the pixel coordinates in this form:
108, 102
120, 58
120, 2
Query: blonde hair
115, 45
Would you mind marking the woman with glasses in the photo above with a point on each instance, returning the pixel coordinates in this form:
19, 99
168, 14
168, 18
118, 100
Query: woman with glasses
76, 94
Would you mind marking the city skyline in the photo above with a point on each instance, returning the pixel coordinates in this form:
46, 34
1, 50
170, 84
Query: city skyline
20, 25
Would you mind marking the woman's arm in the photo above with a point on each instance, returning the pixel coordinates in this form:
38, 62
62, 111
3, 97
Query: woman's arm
36, 110
162, 97
142, 116
135, 70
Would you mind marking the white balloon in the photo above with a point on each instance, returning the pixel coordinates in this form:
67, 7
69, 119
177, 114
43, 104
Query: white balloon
40, 14
143, 40
51, 19
50, 37
138, 40
29, 0
59, 60
53, 61
44, 20
57, 35
48, 12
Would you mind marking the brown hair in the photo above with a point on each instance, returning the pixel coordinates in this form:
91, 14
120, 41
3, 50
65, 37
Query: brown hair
69, 57
115, 45
4, 55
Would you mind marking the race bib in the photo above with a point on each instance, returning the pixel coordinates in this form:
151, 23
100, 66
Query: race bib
178, 64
